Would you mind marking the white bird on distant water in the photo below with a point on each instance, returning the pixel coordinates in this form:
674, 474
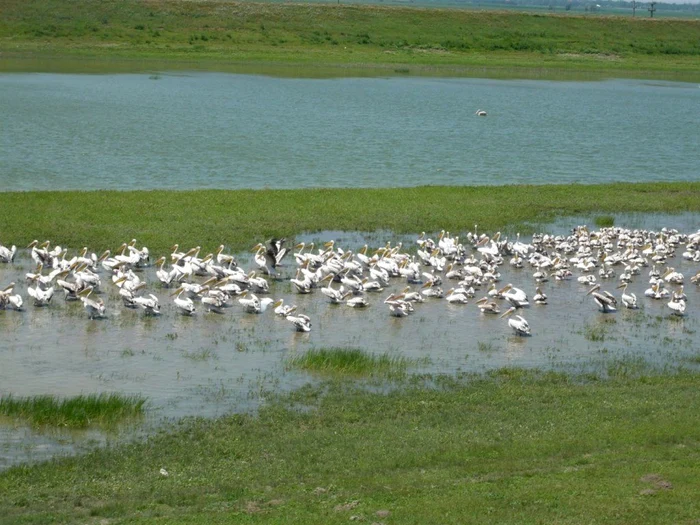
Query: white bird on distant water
606, 301
480, 113
184, 304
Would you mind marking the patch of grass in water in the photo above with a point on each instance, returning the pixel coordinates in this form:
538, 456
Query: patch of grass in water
595, 332
350, 361
74, 412
604, 221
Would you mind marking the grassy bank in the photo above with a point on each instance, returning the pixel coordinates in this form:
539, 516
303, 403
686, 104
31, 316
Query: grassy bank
514, 447
75, 412
400, 38
239, 219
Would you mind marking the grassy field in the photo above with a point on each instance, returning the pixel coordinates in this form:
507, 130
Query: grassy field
512, 447
239, 219
395, 38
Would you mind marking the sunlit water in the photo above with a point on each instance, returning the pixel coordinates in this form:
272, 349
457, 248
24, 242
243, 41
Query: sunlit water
217, 130
212, 364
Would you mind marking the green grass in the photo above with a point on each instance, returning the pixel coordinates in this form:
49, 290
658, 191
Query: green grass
226, 32
74, 412
349, 361
604, 221
511, 447
158, 219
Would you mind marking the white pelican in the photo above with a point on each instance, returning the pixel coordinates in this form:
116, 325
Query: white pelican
7, 300
301, 322
41, 297
412, 297
164, 276
253, 305
302, 286
455, 297
629, 300
398, 307
7, 255
149, 304
487, 306
605, 301
518, 323
480, 113
433, 292
94, 307
514, 296
40, 252
677, 306
184, 304
540, 297
224, 259
336, 296
357, 302
282, 309
672, 276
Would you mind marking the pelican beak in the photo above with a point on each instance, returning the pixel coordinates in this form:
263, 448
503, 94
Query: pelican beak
507, 313
104, 256
278, 303
593, 289
9, 287
620, 286
299, 246
482, 300
209, 281
32, 244
87, 291
329, 244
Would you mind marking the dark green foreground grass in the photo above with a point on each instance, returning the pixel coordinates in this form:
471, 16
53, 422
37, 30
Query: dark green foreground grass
75, 412
512, 447
239, 219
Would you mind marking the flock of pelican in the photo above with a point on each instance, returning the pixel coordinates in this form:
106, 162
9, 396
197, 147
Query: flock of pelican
211, 282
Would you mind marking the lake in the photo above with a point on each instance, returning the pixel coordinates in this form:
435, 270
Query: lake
220, 130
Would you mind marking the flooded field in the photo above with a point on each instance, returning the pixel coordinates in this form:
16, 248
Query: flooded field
213, 363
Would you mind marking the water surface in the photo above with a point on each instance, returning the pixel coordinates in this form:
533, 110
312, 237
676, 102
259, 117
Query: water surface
218, 130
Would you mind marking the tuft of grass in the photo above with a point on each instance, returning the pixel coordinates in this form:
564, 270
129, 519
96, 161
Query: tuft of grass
604, 221
74, 412
350, 361
595, 332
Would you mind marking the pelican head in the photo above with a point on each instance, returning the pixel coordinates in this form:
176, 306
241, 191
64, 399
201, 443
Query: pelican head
593, 289
508, 312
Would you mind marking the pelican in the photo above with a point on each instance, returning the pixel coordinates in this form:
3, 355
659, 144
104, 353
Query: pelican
336, 296
540, 297
164, 276
433, 292
677, 306
518, 323
224, 259
487, 306
10, 301
605, 301
149, 304
253, 305
514, 296
629, 300
7, 255
453, 297
301, 322
302, 286
282, 309
184, 304
398, 307
480, 113
94, 307
41, 297
357, 302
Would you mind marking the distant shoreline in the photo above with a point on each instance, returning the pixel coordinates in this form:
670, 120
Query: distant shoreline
338, 40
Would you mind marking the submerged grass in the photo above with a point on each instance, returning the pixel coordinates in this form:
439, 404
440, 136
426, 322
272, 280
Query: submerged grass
240, 218
75, 412
514, 446
399, 38
349, 361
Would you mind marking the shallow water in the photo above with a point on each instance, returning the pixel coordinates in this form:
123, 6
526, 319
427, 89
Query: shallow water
189, 130
212, 364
